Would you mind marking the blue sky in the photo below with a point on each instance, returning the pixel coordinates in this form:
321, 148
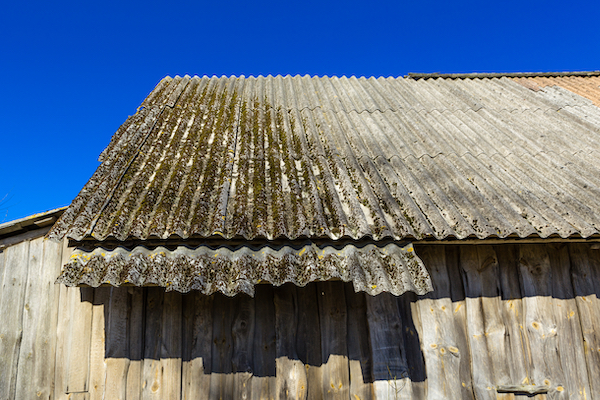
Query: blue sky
73, 71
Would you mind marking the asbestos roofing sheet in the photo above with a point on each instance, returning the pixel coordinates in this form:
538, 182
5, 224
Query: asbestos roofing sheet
586, 87
371, 268
309, 157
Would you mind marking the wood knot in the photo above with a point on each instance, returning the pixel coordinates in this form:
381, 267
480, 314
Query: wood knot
491, 260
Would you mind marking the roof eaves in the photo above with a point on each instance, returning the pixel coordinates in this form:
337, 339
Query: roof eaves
32, 222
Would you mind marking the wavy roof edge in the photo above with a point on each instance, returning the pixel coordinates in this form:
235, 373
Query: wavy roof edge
410, 75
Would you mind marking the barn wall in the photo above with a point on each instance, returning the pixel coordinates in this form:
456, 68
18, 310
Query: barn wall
500, 316
28, 311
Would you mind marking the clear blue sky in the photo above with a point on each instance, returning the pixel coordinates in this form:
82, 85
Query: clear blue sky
73, 71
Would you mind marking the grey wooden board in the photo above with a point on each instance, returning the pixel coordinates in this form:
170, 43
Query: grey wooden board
26, 236
98, 368
197, 345
413, 332
62, 332
334, 346
2, 264
152, 379
221, 380
136, 344
171, 336
570, 338
117, 343
443, 347
512, 313
264, 349
585, 288
486, 333
359, 352
11, 309
35, 376
459, 314
243, 338
308, 339
79, 339
389, 368
291, 382
539, 317
62, 329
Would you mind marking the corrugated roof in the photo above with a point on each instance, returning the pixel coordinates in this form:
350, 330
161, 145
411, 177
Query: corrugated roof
588, 87
372, 268
329, 157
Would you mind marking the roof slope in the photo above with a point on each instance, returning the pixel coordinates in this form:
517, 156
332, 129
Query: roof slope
308, 157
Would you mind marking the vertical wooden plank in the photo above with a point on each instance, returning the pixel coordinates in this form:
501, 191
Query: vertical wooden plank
487, 335
459, 313
242, 333
197, 345
78, 362
334, 347
540, 324
151, 367
390, 371
97, 378
2, 264
62, 332
117, 343
570, 338
35, 377
170, 356
290, 371
11, 309
512, 313
264, 381
221, 379
359, 354
73, 337
413, 332
308, 339
445, 351
24, 357
135, 338
586, 289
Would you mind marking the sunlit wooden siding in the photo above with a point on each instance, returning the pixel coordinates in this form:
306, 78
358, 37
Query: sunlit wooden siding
500, 316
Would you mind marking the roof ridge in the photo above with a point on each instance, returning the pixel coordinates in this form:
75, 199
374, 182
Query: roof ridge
472, 75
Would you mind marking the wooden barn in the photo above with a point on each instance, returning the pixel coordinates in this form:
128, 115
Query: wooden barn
425, 237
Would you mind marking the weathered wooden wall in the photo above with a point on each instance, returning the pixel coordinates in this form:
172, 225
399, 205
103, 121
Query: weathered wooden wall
500, 316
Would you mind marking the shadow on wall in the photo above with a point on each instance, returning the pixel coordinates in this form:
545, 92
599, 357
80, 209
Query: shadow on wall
308, 326
498, 316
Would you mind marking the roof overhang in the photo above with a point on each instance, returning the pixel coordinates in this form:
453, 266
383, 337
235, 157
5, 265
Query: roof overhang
372, 268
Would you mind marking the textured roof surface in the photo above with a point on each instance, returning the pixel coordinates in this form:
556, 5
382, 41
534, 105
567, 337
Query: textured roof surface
312, 157
586, 87
371, 268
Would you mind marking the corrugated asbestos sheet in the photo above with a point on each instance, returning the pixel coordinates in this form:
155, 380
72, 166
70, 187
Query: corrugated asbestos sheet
283, 163
306, 157
371, 268
588, 87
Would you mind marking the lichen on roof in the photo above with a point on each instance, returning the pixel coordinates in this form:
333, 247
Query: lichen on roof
349, 158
